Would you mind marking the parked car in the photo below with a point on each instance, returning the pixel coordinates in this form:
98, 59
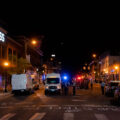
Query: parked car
117, 95
111, 87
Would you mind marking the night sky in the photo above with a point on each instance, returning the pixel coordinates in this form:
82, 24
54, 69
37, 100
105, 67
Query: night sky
72, 32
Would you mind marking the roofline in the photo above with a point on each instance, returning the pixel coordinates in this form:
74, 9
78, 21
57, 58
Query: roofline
14, 41
3, 30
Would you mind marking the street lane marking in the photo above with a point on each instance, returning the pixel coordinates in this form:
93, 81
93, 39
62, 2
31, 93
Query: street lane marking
60, 108
75, 100
101, 117
68, 116
6, 107
37, 116
41, 96
7, 116
3, 104
48, 105
51, 108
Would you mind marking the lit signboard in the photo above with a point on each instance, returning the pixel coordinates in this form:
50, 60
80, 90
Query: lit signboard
2, 37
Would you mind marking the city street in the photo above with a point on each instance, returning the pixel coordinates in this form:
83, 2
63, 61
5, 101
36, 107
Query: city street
59, 61
86, 105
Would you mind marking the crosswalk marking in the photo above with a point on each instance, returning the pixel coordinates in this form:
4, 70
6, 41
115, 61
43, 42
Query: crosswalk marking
75, 100
7, 116
37, 116
101, 117
68, 116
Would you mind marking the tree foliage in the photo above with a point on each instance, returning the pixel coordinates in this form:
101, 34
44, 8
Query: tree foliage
22, 65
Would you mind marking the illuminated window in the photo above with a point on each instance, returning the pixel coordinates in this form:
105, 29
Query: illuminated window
2, 37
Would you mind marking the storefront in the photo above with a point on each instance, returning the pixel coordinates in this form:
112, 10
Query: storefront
9, 52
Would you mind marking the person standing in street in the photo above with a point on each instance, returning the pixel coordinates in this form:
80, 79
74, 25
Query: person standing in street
74, 88
66, 88
91, 84
102, 87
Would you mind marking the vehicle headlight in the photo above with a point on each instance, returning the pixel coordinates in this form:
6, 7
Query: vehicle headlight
58, 87
46, 87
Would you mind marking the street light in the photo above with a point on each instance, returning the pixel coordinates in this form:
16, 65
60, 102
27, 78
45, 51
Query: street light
51, 59
116, 68
28, 42
84, 68
53, 55
6, 64
94, 55
34, 42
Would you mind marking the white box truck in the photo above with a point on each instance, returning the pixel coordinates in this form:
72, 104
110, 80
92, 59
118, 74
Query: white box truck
53, 83
21, 83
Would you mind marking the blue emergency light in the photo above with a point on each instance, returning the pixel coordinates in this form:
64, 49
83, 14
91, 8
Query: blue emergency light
65, 77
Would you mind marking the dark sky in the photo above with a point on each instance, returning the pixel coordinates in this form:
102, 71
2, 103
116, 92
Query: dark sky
72, 31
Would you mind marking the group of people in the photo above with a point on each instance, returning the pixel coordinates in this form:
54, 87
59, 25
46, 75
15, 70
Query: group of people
84, 84
102, 86
65, 88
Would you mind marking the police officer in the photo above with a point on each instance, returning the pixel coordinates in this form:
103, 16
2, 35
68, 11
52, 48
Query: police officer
74, 88
102, 87
66, 88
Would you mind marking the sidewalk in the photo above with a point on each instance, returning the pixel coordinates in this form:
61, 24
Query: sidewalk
4, 94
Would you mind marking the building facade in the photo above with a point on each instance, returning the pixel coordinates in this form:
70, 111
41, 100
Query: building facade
110, 67
9, 52
14, 52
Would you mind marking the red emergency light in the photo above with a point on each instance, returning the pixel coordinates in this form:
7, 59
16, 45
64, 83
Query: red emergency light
79, 78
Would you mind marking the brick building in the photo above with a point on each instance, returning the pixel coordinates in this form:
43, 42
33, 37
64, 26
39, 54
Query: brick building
9, 52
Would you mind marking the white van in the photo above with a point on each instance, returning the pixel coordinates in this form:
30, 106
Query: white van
21, 83
53, 83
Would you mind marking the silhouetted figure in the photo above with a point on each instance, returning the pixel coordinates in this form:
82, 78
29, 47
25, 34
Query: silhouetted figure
66, 88
91, 83
102, 87
74, 88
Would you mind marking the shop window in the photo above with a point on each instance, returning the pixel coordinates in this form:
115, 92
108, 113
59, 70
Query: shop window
10, 54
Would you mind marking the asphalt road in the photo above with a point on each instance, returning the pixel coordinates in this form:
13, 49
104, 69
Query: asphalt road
86, 105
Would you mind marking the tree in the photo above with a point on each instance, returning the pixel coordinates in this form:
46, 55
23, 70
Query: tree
22, 66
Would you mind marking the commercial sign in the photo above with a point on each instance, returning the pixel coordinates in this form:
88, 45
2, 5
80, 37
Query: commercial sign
2, 37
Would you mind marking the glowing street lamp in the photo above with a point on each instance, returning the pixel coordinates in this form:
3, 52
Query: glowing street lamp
84, 68
94, 55
6, 64
88, 67
53, 55
116, 67
34, 42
